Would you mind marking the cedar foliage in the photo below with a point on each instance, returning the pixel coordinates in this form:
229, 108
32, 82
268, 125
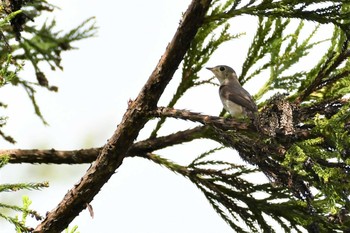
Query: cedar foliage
308, 171
303, 144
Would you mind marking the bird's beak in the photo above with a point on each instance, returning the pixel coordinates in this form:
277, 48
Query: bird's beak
208, 68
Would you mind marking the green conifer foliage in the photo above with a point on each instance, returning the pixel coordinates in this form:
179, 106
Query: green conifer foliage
303, 146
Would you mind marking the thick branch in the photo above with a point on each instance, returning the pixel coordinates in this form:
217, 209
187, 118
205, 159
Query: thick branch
133, 121
51, 156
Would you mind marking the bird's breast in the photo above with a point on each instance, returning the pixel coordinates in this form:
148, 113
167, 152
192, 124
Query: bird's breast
233, 108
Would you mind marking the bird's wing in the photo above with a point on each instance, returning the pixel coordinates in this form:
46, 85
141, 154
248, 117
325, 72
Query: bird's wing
239, 96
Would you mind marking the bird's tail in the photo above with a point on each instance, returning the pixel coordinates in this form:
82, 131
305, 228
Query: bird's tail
256, 120
254, 116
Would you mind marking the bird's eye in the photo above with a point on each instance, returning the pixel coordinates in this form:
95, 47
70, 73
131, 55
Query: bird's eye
222, 68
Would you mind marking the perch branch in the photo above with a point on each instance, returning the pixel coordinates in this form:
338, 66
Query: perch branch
220, 122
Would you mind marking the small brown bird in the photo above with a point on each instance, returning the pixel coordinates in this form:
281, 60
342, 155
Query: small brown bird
236, 100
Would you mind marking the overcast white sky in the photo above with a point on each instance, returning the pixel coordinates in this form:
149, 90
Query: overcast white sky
97, 81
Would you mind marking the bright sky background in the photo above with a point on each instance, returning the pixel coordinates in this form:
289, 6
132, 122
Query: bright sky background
97, 81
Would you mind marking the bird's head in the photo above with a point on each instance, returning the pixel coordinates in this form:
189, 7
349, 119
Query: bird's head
223, 73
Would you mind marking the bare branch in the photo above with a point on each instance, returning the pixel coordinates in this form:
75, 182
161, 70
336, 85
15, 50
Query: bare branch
220, 122
90, 155
51, 156
151, 145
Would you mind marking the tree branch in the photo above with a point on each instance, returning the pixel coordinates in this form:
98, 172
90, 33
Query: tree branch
151, 145
321, 79
220, 122
51, 156
328, 108
89, 155
113, 153
292, 9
